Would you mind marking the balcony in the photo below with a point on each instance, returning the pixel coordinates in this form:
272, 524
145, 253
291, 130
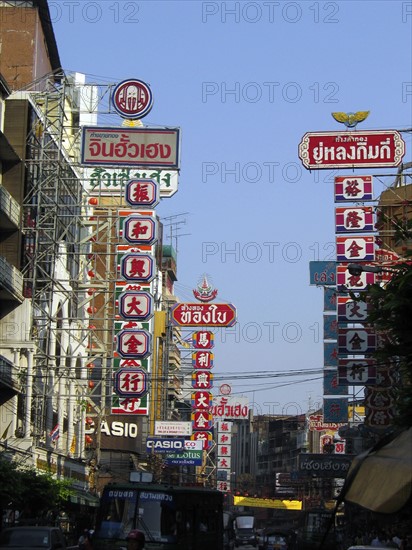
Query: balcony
6, 375
174, 357
11, 283
9, 211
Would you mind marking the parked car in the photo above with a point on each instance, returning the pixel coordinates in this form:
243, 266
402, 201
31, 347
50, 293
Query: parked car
275, 542
25, 538
245, 537
273, 538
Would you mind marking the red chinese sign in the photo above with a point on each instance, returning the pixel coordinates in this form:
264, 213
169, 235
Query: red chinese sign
134, 343
197, 315
140, 229
353, 188
202, 380
136, 305
202, 360
130, 382
368, 149
355, 248
353, 282
202, 400
203, 339
137, 267
354, 220
142, 193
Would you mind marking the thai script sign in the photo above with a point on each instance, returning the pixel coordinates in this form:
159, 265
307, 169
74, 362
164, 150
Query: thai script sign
232, 407
317, 424
164, 427
368, 149
322, 273
188, 458
324, 465
150, 147
197, 315
112, 182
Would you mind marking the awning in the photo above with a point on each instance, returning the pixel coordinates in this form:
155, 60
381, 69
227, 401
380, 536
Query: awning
381, 478
85, 499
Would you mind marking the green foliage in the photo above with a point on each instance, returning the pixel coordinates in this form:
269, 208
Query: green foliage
27, 490
391, 315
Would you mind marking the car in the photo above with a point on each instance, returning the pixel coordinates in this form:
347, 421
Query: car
27, 537
275, 542
245, 537
276, 538
362, 547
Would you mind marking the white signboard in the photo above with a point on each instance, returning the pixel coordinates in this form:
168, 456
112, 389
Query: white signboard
140, 147
102, 180
164, 427
230, 407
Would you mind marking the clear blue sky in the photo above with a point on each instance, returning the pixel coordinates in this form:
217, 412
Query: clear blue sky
244, 81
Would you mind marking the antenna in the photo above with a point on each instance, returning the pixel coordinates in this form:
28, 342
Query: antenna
175, 224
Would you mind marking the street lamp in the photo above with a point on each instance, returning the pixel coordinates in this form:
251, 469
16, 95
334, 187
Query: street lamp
357, 269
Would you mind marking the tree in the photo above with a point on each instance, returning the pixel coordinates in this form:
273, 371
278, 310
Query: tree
33, 494
391, 315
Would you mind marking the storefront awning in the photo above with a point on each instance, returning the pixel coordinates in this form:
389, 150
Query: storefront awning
381, 478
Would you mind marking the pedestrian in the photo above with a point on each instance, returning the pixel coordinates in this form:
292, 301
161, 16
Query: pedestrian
84, 541
135, 540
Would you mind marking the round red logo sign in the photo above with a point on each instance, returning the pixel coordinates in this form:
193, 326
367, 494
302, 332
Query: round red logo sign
225, 389
132, 99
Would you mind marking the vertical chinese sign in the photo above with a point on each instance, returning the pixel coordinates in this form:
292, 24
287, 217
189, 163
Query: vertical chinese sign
131, 165
136, 266
203, 316
348, 342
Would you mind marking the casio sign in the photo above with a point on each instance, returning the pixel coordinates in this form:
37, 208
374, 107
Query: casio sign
166, 445
119, 429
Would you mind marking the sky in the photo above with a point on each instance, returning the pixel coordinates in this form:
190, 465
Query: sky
244, 81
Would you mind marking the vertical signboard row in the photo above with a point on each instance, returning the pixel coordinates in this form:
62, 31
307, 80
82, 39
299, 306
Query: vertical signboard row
348, 342
357, 342
134, 301
203, 316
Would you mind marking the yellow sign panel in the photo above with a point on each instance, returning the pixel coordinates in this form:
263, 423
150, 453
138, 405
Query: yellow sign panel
267, 503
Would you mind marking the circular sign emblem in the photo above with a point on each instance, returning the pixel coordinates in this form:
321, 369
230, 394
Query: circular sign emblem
132, 99
225, 389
